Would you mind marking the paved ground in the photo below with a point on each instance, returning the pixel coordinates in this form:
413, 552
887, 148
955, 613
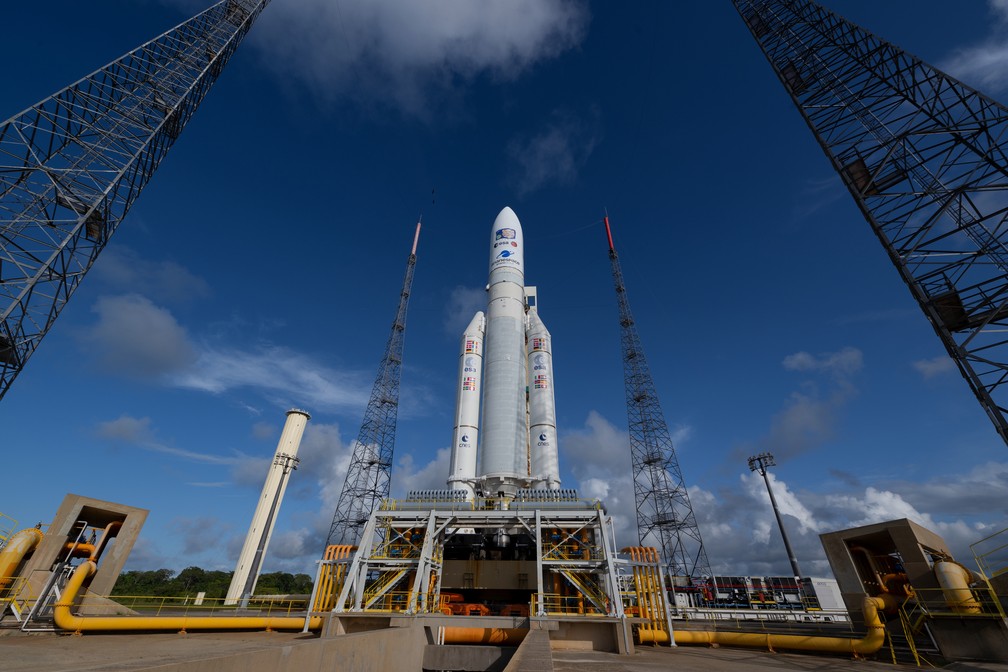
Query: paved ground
118, 653
47, 652
703, 659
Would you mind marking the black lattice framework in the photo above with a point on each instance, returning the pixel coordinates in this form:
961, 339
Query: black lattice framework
923, 155
665, 517
370, 473
72, 165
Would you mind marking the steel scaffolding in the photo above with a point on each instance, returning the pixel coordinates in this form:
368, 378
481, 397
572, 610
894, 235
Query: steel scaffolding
370, 472
924, 157
73, 164
665, 516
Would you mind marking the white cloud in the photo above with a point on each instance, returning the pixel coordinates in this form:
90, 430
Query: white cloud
200, 534
555, 154
264, 431
411, 55
408, 475
599, 450
287, 376
137, 433
462, 304
122, 268
809, 417
787, 501
805, 422
937, 366
844, 362
984, 65
135, 338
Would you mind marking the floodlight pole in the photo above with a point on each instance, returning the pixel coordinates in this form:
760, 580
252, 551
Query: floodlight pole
760, 463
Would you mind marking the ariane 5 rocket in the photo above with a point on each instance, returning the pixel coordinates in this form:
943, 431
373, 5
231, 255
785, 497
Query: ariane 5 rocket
505, 362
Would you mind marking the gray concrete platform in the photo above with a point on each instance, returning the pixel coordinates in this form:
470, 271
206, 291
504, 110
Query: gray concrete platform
211, 651
113, 652
723, 659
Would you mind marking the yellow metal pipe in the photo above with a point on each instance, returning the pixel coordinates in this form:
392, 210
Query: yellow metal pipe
954, 580
496, 636
19, 546
870, 643
68, 621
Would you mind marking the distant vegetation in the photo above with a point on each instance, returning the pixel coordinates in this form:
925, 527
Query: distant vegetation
192, 580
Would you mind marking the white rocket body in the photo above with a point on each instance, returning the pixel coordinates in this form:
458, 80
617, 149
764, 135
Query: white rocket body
261, 530
467, 407
545, 462
517, 445
503, 453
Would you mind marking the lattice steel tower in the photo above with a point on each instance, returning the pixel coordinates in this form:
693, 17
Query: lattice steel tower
72, 165
664, 513
370, 472
924, 157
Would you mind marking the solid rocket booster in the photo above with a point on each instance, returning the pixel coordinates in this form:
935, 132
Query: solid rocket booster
503, 454
541, 404
467, 406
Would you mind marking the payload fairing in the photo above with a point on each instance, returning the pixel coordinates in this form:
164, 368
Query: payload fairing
506, 361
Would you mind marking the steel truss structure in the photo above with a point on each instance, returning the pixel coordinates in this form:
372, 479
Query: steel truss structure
73, 164
924, 157
370, 473
399, 565
665, 516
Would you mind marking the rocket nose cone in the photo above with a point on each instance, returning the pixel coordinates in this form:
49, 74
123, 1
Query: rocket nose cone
507, 243
507, 218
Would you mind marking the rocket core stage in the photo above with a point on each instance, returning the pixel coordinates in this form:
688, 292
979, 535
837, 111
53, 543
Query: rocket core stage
508, 350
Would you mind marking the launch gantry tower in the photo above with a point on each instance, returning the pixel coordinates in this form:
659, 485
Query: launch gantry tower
370, 472
73, 164
664, 513
924, 157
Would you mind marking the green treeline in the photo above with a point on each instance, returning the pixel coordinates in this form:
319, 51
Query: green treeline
192, 580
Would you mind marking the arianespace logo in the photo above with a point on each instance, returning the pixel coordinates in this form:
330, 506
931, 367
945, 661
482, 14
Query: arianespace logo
505, 233
504, 254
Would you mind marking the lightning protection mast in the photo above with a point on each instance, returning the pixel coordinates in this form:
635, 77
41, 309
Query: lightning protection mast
73, 164
370, 472
924, 157
664, 512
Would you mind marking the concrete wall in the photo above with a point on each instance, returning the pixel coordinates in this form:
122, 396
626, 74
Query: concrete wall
971, 639
96, 513
587, 636
901, 536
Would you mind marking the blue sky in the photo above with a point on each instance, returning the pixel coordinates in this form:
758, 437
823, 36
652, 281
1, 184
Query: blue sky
260, 270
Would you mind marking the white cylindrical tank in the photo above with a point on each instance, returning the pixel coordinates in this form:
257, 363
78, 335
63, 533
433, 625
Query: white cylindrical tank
467, 407
257, 540
542, 405
504, 433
